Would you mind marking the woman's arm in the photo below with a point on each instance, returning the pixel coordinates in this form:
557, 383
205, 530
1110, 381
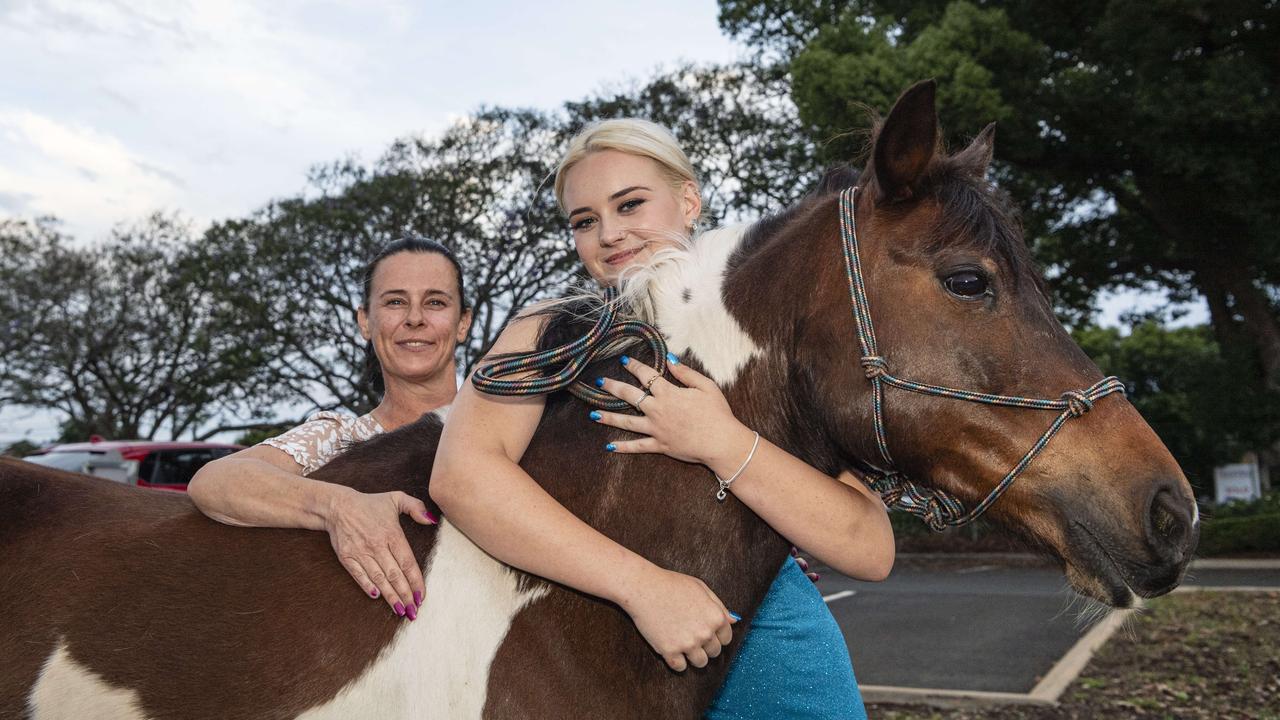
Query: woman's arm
263, 487
839, 521
484, 492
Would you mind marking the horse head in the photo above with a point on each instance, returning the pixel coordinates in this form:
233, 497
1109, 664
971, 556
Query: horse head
956, 302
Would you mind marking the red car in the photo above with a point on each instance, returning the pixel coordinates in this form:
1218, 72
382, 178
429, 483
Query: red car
145, 463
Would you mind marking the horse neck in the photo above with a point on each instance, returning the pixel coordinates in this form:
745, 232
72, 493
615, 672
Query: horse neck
731, 305
687, 295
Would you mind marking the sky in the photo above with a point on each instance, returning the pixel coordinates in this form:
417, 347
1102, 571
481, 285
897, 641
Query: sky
111, 110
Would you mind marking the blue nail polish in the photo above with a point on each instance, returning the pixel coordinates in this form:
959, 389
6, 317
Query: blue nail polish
599, 382
594, 415
624, 359
671, 358
735, 615
610, 447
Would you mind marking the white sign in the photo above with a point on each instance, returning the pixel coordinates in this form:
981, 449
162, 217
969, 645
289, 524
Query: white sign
1237, 482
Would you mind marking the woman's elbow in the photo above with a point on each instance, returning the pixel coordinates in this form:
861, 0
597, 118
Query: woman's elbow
199, 489
448, 485
882, 563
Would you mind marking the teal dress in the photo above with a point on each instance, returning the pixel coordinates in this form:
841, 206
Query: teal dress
793, 663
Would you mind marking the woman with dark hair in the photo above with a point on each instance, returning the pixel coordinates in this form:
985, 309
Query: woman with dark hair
413, 313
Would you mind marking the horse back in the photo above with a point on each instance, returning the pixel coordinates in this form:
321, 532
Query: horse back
136, 589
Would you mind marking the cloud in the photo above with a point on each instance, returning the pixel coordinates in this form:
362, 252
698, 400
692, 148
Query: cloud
215, 108
79, 173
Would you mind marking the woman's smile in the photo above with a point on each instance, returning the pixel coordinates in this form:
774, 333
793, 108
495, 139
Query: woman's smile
622, 258
416, 345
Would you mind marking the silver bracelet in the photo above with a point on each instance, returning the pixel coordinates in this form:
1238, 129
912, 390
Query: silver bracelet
724, 484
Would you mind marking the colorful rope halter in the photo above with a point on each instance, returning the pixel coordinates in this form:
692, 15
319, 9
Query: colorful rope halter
571, 359
938, 508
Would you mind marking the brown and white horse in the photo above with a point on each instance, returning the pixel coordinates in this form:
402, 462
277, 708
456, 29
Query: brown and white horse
120, 603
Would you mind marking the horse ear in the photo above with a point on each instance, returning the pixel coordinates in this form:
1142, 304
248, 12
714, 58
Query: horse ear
906, 142
977, 157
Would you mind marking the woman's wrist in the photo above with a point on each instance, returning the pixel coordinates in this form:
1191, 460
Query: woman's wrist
637, 575
326, 500
729, 453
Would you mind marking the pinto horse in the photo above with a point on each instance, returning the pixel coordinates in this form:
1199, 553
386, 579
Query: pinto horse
120, 603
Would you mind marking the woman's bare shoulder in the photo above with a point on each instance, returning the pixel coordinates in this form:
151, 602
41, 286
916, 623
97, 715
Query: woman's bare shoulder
522, 333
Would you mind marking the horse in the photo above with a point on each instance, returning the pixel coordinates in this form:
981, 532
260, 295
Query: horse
126, 604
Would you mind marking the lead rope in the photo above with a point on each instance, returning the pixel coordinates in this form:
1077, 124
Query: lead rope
938, 508
571, 359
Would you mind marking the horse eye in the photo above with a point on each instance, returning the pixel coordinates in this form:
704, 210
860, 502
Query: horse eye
966, 284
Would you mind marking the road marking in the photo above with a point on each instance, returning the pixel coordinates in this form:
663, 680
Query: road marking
839, 596
980, 568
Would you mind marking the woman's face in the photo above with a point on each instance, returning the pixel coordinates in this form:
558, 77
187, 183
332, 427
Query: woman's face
414, 316
622, 208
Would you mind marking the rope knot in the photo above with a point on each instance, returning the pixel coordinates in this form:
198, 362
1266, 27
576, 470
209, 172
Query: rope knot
874, 366
1077, 402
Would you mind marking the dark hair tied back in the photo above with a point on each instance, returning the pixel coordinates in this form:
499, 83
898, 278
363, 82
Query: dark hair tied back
372, 376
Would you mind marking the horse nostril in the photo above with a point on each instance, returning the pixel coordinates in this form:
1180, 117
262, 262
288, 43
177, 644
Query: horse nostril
1170, 520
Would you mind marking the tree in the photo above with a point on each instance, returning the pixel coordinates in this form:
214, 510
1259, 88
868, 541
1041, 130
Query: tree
289, 276
1139, 136
737, 124
1187, 388
118, 338
20, 449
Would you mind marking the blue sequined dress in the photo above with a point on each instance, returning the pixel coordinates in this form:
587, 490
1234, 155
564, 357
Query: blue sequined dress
793, 662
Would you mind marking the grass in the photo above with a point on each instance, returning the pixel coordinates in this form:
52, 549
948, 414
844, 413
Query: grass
1188, 655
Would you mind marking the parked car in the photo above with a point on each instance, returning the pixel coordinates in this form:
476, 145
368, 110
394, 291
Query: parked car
146, 463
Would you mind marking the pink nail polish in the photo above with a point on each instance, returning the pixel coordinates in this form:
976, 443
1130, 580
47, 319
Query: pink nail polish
417, 598
434, 520
373, 592
398, 608
411, 611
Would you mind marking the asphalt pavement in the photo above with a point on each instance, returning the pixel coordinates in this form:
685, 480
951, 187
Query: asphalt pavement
969, 623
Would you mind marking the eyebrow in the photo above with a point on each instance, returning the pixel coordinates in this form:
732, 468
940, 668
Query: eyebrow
432, 291
614, 196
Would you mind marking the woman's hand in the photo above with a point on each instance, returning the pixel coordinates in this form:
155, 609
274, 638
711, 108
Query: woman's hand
680, 618
364, 530
804, 565
692, 423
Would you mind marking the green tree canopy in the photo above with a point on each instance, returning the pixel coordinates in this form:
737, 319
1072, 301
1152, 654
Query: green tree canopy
1186, 387
1138, 136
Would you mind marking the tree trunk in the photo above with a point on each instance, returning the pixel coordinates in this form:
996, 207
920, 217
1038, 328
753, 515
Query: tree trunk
1232, 293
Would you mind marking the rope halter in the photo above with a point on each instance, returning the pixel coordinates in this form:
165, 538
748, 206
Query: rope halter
937, 508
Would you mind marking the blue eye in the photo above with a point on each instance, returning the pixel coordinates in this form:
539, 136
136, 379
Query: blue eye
631, 204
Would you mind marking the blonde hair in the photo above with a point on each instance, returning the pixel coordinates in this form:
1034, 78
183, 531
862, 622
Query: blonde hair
635, 137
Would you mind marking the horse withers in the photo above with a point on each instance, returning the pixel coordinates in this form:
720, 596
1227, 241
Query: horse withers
118, 603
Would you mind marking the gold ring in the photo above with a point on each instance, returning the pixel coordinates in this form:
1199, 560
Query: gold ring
652, 380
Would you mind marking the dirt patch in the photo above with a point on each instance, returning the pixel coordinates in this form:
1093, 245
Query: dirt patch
1189, 655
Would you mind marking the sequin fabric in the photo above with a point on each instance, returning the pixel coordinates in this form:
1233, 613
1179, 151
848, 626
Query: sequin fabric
324, 435
793, 663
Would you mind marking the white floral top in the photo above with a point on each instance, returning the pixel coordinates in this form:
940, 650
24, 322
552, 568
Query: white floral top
323, 436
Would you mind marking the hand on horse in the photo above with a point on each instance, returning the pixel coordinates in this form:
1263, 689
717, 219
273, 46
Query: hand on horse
690, 423
364, 529
680, 618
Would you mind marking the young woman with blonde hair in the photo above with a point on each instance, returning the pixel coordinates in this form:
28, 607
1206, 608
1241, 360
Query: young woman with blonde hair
629, 193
